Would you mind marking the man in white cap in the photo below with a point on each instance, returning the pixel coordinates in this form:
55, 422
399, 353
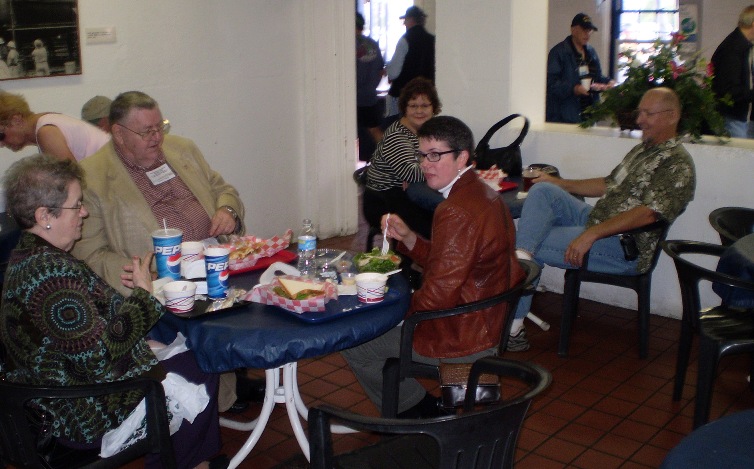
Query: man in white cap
96, 112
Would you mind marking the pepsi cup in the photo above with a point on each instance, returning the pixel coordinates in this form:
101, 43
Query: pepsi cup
167, 252
216, 262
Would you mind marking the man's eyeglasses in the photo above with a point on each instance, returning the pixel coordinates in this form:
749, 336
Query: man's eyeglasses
149, 133
432, 156
79, 205
639, 112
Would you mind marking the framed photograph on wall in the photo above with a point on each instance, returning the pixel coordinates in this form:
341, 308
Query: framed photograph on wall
39, 38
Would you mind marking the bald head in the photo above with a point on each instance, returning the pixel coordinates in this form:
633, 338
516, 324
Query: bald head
658, 115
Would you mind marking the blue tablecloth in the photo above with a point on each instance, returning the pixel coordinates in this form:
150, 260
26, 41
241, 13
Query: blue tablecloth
261, 336
725, 443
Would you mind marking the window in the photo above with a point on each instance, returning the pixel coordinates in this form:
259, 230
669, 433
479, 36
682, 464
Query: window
637, 24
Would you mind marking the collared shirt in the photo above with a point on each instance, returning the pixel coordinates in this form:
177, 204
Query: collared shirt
170, 200
661, 177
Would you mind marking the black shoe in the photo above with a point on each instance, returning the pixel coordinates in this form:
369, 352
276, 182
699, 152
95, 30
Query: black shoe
238, 407
429, 407
248, 389
220, 461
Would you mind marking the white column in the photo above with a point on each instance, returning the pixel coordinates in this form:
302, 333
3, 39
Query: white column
329, 116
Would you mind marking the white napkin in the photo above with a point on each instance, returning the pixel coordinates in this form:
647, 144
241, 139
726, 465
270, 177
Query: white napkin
178, 346
272, 272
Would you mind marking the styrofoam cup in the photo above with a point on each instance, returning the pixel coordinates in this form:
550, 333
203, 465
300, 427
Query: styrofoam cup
370, 287
179, 296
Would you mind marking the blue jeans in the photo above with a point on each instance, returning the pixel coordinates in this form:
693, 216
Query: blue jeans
739, 129
422, 195
550, 219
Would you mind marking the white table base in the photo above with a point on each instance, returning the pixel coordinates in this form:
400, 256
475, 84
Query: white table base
278, 390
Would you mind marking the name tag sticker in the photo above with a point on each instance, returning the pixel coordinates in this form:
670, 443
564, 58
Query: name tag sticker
583, 70
160, 175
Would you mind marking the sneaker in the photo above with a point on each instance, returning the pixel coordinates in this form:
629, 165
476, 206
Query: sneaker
518, 342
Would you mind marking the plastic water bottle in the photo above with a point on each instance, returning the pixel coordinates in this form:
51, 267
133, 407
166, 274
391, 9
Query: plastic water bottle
307, 247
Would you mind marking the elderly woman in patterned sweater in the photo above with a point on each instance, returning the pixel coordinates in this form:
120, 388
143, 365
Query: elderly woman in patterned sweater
63, 325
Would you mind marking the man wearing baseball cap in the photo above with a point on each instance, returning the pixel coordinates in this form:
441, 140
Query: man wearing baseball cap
414, 56
574, 74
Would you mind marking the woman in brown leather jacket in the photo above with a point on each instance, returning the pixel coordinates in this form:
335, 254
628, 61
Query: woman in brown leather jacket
471, 257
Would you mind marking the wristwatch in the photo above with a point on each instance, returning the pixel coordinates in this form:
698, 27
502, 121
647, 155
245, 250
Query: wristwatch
235, 216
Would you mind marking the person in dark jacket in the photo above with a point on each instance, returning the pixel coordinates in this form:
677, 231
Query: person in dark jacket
733, 76
568, 64
414, 57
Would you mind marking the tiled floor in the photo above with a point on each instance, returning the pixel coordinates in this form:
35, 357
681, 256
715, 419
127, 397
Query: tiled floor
605, 408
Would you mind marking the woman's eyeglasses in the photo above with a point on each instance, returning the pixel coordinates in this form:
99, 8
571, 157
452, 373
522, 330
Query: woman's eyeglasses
432, 156
79, 205
149, 133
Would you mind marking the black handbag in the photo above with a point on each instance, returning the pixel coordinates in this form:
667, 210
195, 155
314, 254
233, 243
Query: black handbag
506, 158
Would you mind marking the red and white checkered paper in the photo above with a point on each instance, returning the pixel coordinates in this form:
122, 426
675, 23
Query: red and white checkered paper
264, 294
492, 176
271, 247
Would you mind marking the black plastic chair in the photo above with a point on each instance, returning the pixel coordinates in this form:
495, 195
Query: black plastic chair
641, 284
360, 177
482, 438
398, 369
732, 223
722, 330
18, 441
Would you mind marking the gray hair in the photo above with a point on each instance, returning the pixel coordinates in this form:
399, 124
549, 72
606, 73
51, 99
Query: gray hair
746, 18
124, 102
38, 181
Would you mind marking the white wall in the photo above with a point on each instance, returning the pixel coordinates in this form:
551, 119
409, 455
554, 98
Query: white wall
242, 79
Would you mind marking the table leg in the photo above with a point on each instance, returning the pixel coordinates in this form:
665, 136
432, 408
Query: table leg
277, 392
258, 424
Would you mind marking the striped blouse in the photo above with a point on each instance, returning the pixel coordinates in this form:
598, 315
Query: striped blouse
394, 160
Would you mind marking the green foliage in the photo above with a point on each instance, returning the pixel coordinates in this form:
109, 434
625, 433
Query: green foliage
691, 79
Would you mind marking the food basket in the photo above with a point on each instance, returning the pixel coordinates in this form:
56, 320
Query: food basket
265, 294
245, 251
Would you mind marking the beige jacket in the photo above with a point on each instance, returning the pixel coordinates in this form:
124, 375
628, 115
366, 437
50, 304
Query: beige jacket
120, 221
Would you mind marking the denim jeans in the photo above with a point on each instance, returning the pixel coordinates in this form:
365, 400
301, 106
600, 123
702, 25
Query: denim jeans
424, 196
550, 219
739, 129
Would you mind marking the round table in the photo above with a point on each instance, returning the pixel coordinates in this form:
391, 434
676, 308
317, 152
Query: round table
266, 337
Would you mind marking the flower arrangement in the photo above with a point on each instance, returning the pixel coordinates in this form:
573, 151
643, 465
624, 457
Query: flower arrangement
691, 79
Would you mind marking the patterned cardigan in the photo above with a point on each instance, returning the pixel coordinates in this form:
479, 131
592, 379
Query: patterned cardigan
61, 324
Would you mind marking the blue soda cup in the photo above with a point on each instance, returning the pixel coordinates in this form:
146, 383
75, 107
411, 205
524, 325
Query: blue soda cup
167, 252
216, 262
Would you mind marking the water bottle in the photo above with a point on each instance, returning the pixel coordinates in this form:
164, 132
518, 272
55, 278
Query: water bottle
307, 247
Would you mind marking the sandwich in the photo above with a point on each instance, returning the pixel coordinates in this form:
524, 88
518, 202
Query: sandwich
298, 290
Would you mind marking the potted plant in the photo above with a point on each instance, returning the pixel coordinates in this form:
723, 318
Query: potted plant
691, 79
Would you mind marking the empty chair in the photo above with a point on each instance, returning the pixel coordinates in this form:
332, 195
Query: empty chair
641, 284
18, 441
732, 223
398, 369
482, 438
723, 330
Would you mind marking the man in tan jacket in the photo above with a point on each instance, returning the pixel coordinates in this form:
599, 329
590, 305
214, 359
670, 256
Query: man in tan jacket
141, 178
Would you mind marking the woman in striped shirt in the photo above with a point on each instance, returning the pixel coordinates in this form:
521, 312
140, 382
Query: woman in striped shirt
394, 165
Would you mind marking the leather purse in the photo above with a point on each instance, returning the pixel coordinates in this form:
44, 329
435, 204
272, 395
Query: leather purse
507, 158
453, 383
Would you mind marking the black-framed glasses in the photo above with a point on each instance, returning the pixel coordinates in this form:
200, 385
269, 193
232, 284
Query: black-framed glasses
432, 156
149, 133
2, 136
79, 205
639, 112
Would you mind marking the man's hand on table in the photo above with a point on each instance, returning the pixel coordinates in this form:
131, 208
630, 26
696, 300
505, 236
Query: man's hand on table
223, 223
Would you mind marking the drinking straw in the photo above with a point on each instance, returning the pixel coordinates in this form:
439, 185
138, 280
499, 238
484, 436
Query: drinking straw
165, 224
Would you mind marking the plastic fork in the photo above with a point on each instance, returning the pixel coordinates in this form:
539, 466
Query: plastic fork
385, 243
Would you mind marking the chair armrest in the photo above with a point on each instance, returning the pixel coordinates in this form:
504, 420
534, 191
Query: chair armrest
694, 272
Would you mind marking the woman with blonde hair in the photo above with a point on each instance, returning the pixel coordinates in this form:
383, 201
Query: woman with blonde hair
54, 134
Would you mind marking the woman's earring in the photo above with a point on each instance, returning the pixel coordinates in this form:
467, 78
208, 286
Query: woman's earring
48, 226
